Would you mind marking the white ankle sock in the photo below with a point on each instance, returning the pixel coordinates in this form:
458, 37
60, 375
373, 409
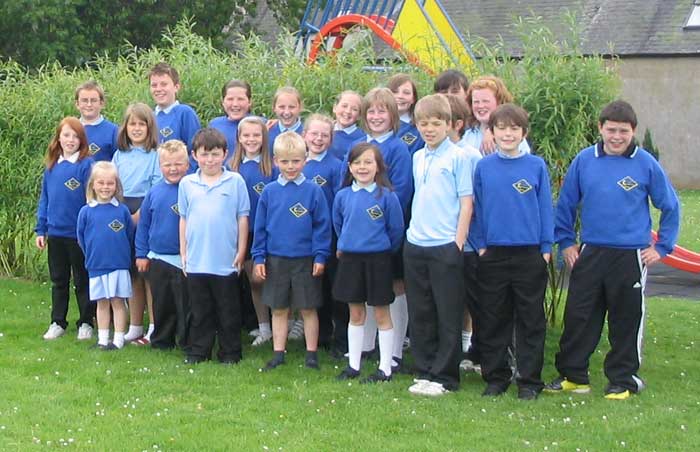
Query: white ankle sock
151, 327
135, 331
370, 330
118, 339
355, 334
386, 345
466, 340
399, 317
265, 328
103, 337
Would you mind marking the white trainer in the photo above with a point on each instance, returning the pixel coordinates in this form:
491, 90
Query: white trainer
254, 333
84, 332
262, 338
432, 389
417, 386
55, 331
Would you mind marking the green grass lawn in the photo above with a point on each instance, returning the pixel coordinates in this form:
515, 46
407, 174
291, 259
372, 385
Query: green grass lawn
62, 393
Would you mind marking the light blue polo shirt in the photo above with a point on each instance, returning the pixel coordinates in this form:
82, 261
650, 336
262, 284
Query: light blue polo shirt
441, 177
139, 170
212, 214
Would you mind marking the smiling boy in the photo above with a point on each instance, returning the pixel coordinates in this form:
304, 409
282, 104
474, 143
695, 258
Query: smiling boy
513, 232
609, 185
290, 248
101, 133
213, 204
432, 256
175, 121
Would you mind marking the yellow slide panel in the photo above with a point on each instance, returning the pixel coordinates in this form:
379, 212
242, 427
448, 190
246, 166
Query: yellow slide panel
416, 34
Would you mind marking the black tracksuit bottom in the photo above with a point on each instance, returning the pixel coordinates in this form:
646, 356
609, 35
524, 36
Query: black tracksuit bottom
513, 280
604, 280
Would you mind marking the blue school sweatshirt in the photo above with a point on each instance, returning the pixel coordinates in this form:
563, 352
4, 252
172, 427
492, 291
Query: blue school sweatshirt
292, 221
398, 163
158, 228
255, 181
408, 133
612, 193
278, 129
324, 171
513, 202
343, 140
178, 122
102, 139
105, 232
62, 196
230, 130
367, 220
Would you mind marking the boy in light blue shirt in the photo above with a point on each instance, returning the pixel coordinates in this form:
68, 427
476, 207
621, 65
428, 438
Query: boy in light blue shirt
433, 260
214, 207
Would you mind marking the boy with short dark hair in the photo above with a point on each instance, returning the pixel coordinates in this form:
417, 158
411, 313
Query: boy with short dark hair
514, 234
101, 133
213, 204
452, 82
158, 250
175, 121
611, 183
433, 260
290, 247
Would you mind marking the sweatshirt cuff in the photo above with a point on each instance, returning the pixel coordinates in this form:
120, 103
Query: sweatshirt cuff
564, 244
258, 260
662, 250
546, 248
320, 259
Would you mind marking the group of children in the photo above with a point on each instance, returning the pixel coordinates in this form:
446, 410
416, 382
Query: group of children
428, 216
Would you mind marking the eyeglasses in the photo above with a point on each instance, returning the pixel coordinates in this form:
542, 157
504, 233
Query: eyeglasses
89, 101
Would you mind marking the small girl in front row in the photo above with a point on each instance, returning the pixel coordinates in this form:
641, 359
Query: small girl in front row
139, 170
105, 234
67, 171
368, 220
255, 166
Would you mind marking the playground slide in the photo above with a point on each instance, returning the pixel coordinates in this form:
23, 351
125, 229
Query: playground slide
681, 258
420, 29
427, 32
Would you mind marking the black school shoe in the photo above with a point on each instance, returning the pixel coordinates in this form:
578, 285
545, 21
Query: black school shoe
278, 360
378, 377
494, 390
348, 374
525, 393
311, 360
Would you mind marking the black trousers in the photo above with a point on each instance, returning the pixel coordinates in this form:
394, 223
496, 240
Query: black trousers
434, 278
471, 298
65, 256
171, 306
216, 313
513, 281
604, 280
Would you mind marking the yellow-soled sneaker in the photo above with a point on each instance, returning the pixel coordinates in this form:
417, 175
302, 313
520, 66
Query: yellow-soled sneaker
561, 384
613, 392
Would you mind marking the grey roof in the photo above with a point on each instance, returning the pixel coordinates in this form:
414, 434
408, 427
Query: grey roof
629, 27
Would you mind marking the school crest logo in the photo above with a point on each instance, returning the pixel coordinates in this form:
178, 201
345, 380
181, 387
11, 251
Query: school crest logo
627, 183
319, 180
116, 225
375, 212
175, 209
522, 186
298, 210
72, 184
166, 132
409, 139
93, 148
259, 187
